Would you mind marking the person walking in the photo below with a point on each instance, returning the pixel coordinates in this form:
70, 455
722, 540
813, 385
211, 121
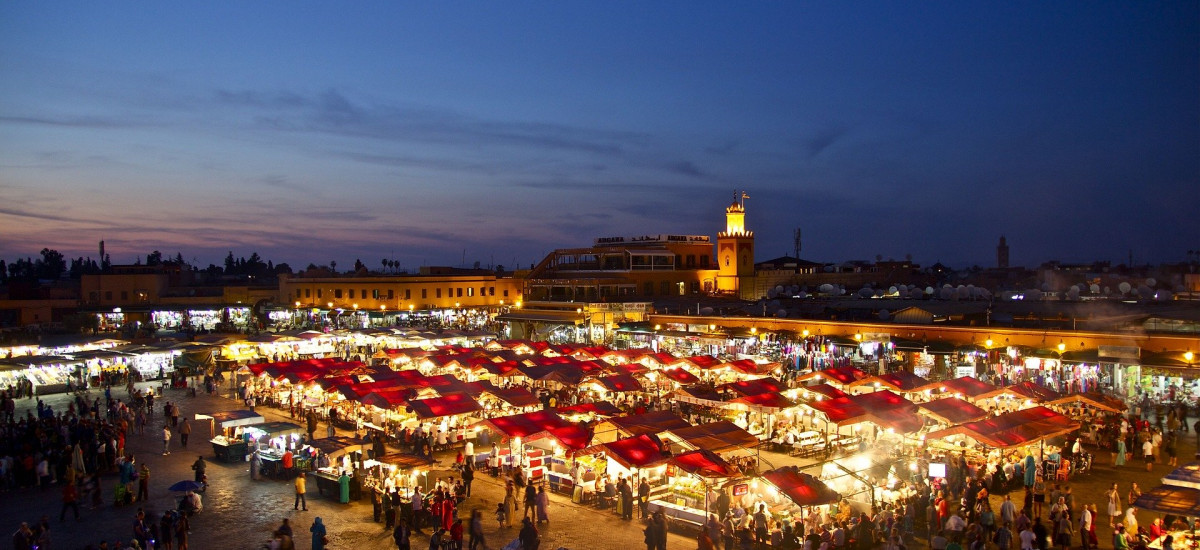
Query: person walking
643, 497
543, 505
530, 502
143, 493
475, 539
166, 435
185, 429
70, 498
468, 475
319, 536
301, 488
401, 535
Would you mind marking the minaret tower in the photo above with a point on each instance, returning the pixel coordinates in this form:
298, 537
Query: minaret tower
735, 250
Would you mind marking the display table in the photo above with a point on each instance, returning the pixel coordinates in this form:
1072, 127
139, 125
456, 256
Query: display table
674, 511
229, 451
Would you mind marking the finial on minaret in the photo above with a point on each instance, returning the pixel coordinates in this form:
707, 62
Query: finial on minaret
745, 196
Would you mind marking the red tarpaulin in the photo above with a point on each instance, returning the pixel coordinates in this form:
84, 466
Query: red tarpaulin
525, 425
619, 383
602, 408
1092, 399
515, 396
754, 387
638, 451
661, 359
1015, 428
748, 366
953, 410
901, 381
967, 387
567, 374
572, 437
764, 402
626, 368
803, 489
702, 362
717, 437
646, 423
702, 463
450, 404
680, 375
841, 376
385, 399
882, 402
825, 390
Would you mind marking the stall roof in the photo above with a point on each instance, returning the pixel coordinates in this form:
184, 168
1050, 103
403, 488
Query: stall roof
764, 401
662, 359
515, 396
901, 421
1032, 390
619, 383
825, 390
901, 381
276, 429
703, 362
527, 424
717, 437
754, 387
1021, 427
1170, 499
638, 451
601, 408
882, 402
386, 399
337, 445
952, 410
405, 461
835, 375
648, 423
702, 463
966, 386
567, 373
572, 436
1187, 475
229, 419
803, 489
1092, 399
680, 375
749, 366
450, 404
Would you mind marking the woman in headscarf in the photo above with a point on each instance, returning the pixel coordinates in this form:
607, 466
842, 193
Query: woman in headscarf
1131, 524
318, 534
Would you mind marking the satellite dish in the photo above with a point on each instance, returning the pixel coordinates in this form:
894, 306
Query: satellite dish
929, 290
772, 293
778, 289
826, 288
1151, 282
781, 313
1095, 289
706, 311
884, 314
802, 295
1124, 287
947, 293
1073, 294
893, 290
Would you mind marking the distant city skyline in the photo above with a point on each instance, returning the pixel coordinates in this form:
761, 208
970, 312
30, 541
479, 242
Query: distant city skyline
445, 135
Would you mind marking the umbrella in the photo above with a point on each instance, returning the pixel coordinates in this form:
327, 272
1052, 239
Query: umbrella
186, 485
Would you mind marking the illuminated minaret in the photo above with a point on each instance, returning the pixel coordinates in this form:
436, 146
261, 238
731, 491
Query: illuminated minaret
735, 249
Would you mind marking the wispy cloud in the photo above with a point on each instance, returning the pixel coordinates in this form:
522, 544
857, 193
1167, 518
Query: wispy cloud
96, 122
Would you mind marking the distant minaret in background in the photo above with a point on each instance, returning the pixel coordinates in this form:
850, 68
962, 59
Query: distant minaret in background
1002, 254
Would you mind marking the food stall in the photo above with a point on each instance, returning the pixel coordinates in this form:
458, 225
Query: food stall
394, 471
689, 478
272, 440
327, 450
1179, 495
786, 493
225, 427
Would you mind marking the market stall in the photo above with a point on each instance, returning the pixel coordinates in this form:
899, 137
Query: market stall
225, 428
273, 440
688, 479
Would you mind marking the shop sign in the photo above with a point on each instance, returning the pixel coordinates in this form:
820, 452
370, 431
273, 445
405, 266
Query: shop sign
740, 489
962, 371
1120, 352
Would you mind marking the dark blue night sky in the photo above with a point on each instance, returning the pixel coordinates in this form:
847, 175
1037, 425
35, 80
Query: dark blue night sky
496, 131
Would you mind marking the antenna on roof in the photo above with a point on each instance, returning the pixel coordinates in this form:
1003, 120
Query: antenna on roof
796, 243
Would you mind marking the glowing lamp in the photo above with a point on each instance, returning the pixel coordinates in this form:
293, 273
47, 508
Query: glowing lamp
1189, 355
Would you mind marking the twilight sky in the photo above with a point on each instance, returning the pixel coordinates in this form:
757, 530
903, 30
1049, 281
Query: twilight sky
496, 131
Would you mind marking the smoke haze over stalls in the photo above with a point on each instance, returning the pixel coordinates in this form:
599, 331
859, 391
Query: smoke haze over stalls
495, 132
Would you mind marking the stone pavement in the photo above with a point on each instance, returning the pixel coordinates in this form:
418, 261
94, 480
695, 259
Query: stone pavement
240, 513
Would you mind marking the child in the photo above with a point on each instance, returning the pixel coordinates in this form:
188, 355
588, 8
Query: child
501, 515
